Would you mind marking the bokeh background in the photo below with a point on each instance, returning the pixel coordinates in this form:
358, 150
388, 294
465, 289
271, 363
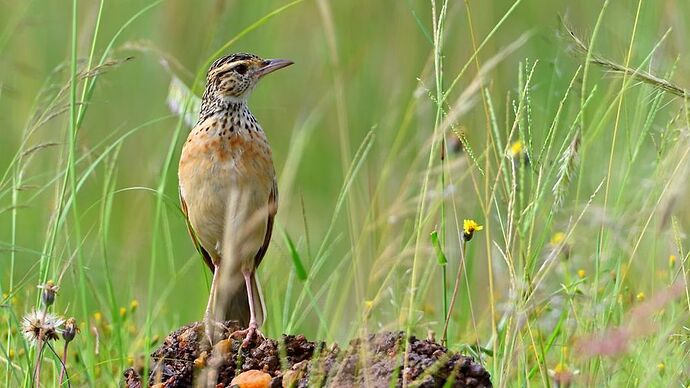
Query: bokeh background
363, 77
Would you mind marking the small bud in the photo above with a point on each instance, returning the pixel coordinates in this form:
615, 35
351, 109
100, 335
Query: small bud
133, 305
123, 312
50, 289
71, 329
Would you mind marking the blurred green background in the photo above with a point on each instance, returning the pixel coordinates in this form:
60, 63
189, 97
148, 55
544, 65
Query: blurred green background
360, 67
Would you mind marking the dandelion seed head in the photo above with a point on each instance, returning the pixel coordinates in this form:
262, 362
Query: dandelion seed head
41, 324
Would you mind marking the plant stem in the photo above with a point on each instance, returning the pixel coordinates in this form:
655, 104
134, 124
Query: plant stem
444, 335
37, 367
63, 368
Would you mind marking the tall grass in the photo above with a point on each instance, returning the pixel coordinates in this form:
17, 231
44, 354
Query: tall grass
398, 122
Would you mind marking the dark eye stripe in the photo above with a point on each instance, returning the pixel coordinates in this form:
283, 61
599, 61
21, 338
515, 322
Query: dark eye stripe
222, 73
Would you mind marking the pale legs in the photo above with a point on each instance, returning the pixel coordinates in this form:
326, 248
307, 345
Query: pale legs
253, 328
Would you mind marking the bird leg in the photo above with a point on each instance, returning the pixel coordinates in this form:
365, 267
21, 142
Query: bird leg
210, 322
253, 328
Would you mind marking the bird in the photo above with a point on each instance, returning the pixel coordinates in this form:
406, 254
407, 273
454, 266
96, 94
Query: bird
228, 191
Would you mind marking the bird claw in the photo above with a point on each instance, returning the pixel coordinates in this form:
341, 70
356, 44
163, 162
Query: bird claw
249, 333
212, 327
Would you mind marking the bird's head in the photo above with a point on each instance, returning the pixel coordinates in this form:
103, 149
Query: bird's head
233, 77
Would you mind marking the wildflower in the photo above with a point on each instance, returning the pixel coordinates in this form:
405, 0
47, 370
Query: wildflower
661, 367
672, 260
50, 289
41, 324
581, 273
640, 296
562, 376
557, 238
516, 148
98, 316
123, 312
71, 329
469, 227
558, 244
68, 334
133, 305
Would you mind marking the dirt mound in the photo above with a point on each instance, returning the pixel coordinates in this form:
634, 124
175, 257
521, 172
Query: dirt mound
185, 359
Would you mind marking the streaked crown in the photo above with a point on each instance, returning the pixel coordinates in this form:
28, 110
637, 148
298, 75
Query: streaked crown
233, 77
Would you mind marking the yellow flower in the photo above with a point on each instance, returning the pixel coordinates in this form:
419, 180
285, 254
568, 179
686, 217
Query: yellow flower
97, 316
661, 367
557, 238
133, 305
516, 148
672, 260
581, 273
123, 312
368, 304
640, 296
469, 227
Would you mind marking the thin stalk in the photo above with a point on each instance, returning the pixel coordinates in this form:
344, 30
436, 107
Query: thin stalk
456, 286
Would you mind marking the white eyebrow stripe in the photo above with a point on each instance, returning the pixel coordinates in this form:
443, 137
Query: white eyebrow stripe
228, 67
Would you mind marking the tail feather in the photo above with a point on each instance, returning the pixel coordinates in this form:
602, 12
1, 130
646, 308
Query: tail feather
237, 307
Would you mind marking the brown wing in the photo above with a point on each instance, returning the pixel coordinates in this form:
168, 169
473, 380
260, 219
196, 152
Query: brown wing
272, 210
192, 234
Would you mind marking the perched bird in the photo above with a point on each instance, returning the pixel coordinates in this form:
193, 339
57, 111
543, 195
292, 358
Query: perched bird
228, 190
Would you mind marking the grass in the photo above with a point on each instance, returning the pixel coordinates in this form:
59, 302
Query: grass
566, 141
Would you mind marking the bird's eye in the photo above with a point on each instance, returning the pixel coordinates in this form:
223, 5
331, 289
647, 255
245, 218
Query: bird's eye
241, 68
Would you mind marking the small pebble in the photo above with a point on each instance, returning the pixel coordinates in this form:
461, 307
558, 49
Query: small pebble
251, 379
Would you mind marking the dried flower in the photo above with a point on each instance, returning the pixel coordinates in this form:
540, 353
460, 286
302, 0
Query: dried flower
469, 227
71, 330
50, 289
41, 324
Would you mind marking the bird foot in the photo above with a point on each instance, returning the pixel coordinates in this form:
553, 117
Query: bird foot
212, 328
249, 333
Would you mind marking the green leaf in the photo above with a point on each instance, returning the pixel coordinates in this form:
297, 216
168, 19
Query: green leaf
440, 256
294, 254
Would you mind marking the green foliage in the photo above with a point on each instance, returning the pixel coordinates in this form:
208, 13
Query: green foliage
567, 141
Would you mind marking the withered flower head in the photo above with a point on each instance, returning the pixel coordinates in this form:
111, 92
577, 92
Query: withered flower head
41, 324
71, 329
50, 289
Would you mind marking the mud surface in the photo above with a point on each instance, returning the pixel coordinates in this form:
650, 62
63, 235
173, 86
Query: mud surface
185, 359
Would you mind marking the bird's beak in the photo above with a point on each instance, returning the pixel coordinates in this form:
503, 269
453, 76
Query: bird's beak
271, 65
